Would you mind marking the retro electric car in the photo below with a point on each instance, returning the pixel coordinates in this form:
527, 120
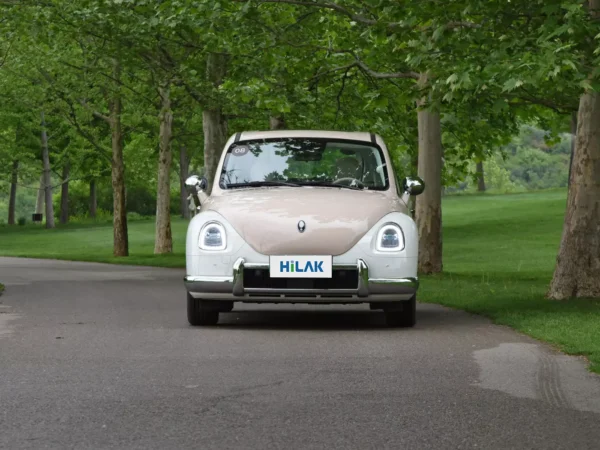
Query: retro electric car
302, 217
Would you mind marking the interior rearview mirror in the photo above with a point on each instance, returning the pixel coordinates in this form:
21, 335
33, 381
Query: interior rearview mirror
413, 185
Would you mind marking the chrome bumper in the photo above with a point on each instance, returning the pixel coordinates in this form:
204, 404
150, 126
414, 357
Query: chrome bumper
232, 287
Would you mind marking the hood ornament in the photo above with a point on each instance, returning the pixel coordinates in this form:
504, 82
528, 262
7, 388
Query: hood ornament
301, 226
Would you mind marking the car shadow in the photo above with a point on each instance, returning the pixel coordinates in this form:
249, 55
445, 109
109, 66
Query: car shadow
322, 320
429, 317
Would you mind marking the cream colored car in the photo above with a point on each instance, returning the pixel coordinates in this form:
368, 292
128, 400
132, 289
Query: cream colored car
303, 217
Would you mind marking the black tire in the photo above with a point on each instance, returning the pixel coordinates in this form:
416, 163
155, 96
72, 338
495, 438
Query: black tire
404, 318
199, 314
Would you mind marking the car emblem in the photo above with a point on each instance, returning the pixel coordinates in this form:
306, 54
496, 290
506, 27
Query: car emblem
301, 226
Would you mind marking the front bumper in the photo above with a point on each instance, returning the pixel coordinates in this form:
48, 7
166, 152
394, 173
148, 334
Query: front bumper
231, 288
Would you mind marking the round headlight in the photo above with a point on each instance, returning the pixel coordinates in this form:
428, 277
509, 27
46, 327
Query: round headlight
213, 237
390, 239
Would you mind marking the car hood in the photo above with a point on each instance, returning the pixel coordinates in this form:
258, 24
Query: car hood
336, 219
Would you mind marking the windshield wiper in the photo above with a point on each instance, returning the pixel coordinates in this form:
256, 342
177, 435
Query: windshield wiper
329, 184
261, 183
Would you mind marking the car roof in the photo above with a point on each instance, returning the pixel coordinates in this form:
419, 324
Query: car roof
350, 135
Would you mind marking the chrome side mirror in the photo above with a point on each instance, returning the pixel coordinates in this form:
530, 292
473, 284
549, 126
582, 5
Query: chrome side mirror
413, 185
195, 185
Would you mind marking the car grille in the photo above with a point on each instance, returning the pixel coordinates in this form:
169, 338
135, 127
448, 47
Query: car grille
341, 279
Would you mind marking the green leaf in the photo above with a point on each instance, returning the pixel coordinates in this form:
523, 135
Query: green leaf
512, 84
452, 78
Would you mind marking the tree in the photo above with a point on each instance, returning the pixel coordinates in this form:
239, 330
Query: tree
47, 178
65, 46
164, 241
428, 211
214, 120
480, 177
577, 272
547, 58
13, 192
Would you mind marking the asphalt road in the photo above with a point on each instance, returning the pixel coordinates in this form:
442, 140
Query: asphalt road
99, 356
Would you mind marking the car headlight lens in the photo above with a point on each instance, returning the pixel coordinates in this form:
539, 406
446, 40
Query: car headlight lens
213, 237
390, 239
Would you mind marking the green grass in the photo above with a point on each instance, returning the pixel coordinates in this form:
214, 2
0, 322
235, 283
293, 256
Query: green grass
499, 254
93, 242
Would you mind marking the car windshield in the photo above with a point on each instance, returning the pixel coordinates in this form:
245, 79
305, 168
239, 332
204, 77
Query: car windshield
304, 162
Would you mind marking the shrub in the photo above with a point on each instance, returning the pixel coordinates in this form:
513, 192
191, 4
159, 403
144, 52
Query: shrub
141, 199
22, 221
175, 203
102, 216
134, 216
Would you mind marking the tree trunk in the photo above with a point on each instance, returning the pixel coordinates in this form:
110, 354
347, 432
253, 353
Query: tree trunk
480, 177
184, 168
163, 242
47, 179
12, 200
39, 204
577, 272
120, 237
277, 122
428, 211
573, 137
64, 193
214, 122
93, 199
414, 163
215, 137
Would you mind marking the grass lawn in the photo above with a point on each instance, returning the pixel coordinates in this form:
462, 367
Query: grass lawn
499, 254
93, 242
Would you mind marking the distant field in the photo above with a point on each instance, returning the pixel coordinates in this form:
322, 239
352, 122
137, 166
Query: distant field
499, 254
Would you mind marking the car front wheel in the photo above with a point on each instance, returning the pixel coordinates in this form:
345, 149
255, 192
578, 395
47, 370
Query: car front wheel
199, 313
405, 317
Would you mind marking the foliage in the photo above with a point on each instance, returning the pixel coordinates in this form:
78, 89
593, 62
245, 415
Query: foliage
539, 170
141, 198
319, 68
102, 217
497, 179
528, 162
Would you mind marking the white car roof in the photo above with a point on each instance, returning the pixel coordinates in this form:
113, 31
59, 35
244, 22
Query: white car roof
351, 135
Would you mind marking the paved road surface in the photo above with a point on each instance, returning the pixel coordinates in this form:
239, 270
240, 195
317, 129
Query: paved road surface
98, 356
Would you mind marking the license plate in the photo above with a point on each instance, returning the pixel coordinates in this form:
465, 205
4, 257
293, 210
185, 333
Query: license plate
303, 266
